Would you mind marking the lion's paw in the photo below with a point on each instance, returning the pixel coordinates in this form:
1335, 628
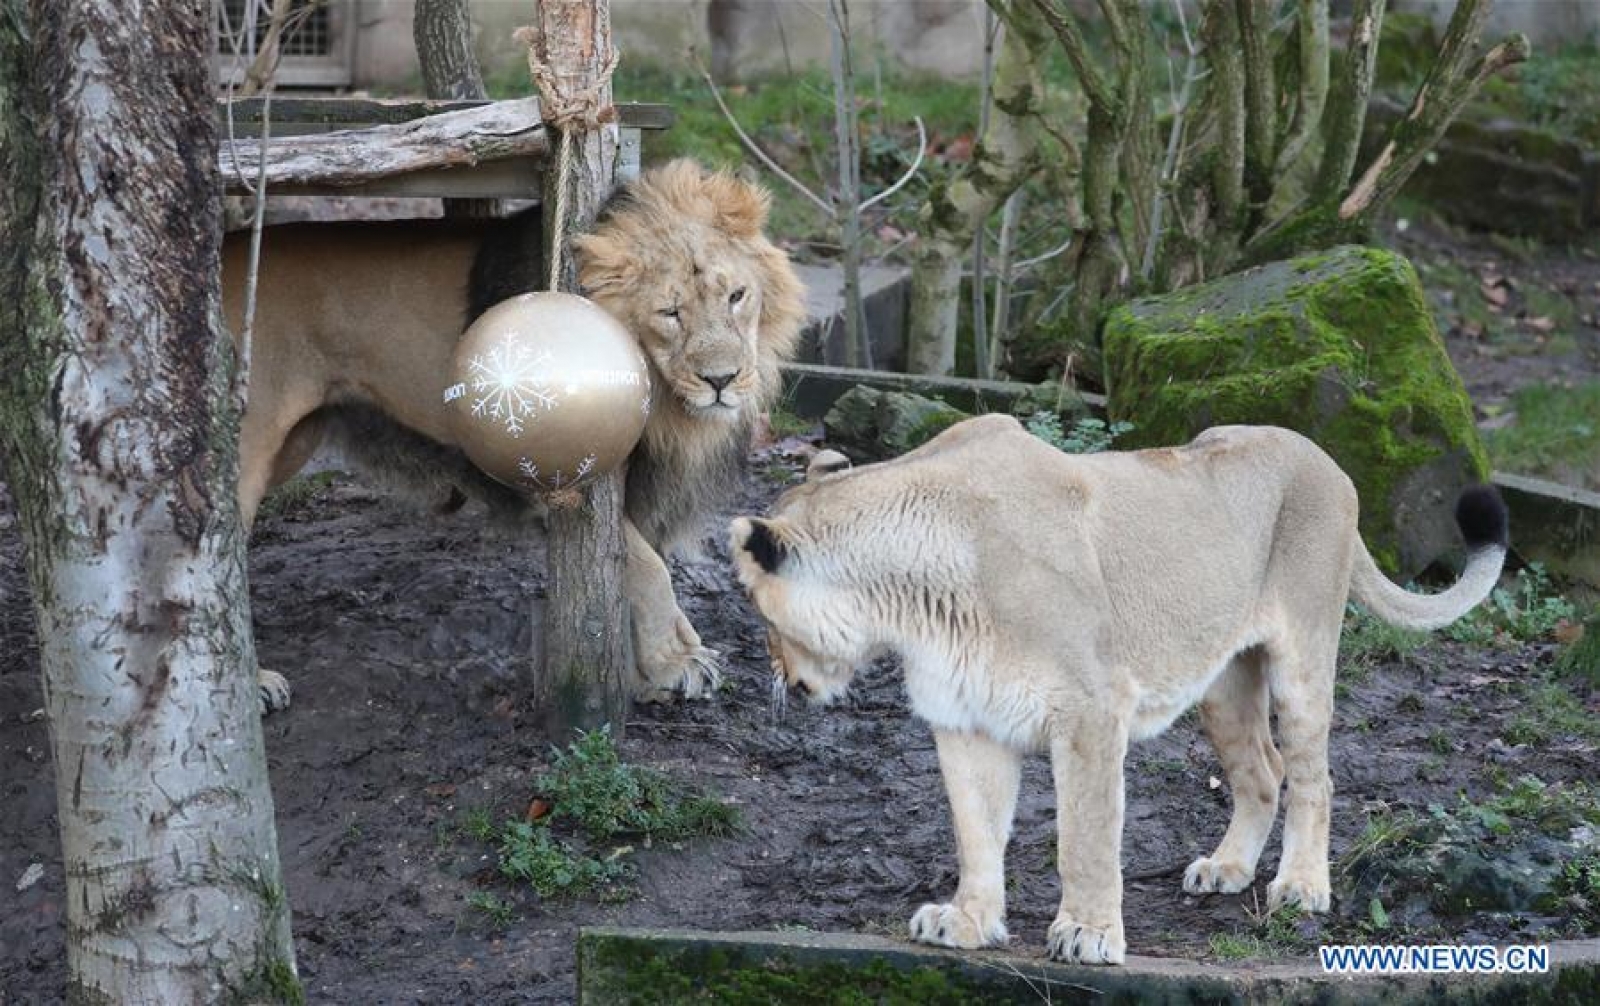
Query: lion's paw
274, 691
695, 675
1214, 876
1312, 894
949, 926
1075, 943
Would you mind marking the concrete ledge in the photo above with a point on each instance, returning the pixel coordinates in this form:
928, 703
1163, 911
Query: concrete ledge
624, 966
811, 389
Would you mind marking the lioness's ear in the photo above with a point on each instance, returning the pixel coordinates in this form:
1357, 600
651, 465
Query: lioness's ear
758, 539
741, 208
826, 463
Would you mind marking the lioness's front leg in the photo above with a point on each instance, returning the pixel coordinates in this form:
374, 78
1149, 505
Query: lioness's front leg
666, 647
1086, 755
980, 777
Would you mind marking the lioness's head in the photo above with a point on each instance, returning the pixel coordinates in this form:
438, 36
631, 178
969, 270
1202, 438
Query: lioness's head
793, 584
680, 258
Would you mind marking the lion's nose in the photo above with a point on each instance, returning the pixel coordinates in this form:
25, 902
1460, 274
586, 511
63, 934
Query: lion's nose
719, 381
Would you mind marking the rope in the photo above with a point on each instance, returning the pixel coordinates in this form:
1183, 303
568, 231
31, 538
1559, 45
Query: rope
567, 110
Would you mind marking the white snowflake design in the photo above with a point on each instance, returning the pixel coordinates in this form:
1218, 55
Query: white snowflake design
534, 479
508, 385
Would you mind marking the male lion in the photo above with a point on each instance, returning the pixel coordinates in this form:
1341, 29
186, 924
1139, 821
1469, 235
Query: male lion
357, 323
1045, 600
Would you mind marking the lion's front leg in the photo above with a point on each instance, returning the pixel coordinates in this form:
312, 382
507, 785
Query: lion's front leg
669, 656
1086, 755
981, 777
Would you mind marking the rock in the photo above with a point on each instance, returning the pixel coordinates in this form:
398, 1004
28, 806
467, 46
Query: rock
1339, 345
868, 424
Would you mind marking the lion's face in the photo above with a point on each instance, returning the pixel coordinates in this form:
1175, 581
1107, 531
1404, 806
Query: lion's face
680, 258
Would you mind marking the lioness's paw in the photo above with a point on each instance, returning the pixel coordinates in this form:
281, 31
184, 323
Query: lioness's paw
949, 926
1313, 894
1214, 876
695, 675
1075, 943
274, 690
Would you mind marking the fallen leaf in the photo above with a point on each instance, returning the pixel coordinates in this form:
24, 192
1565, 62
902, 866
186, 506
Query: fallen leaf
538, 810
440, 790
1540, 323
1495, 292
1568, 632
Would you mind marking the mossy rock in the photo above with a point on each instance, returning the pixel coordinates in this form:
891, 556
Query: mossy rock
1339, 345
869, 424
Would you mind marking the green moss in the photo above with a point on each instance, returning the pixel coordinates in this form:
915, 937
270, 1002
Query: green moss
1340, 346
714, 975
273, 981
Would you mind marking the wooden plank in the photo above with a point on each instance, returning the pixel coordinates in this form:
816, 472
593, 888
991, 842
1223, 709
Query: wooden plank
811, 389
1554, 524
344, 113
358, 157
513, 178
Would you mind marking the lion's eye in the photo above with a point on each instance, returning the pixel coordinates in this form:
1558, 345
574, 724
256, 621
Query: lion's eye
736, 297
670, 313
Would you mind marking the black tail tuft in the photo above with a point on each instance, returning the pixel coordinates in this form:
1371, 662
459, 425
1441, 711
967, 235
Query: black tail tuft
1481, 516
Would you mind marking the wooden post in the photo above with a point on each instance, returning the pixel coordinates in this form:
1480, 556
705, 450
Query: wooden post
588, 652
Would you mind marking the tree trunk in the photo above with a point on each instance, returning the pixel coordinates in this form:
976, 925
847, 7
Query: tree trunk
588, 654
847, 204
120, 427
1005, 156
442, 32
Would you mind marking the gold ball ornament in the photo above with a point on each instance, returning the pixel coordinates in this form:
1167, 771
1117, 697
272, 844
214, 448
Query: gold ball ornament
548, 392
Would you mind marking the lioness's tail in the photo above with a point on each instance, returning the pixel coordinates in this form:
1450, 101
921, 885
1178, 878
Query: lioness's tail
1481, 515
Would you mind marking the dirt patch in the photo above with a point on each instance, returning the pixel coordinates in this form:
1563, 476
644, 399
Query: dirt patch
408, 639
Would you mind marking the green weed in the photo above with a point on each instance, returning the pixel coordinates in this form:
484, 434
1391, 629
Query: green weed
294, 495
1550, 711
497, 911
1087, 435
1527, 611
1270, 934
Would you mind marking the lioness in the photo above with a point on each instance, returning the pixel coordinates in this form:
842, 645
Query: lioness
357, 323
1041, 600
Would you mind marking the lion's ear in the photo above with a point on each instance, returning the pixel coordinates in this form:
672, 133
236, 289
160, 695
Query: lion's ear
826, 463
603, 261
761, 540
740, 207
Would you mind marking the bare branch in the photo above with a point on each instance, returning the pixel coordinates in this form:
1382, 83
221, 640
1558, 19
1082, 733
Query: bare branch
751, 145
1311, 22
1347, 102
1066, 29
922, 150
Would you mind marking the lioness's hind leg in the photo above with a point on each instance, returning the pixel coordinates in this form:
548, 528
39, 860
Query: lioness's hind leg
1300, 674
1235, 715
981, 777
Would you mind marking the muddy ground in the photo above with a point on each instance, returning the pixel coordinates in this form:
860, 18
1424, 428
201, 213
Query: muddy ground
407, 639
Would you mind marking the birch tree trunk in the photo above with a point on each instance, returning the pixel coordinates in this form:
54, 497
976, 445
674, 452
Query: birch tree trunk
119, 419
588, 652
442, 32
1005, 156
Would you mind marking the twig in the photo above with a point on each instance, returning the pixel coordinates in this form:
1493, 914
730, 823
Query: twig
1072, 39
751, 145
922, 150
1169, 165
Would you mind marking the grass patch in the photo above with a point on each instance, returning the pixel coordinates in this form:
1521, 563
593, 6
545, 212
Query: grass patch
493, 909
1367, 642
1551, 712
294, 495
1556, 433
596, 807
784, 423
1270, 934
